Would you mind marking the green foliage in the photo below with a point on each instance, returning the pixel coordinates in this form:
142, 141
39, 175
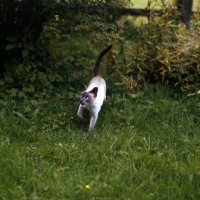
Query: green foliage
96, 20
163, 50
48, 51
145, 147
26, 65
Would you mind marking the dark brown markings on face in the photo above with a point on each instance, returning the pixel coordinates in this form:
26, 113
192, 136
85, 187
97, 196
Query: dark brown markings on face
94, 91
88, 97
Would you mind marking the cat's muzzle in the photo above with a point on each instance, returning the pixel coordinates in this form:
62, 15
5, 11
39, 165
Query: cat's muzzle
82, 103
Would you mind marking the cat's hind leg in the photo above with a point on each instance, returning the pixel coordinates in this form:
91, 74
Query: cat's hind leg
93, 122
94, 117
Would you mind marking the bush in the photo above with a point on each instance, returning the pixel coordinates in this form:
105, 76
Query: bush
163, 50
26, 67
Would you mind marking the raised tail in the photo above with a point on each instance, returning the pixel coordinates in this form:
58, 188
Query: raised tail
98, 62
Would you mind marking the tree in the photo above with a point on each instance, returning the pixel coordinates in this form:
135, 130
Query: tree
28, 25
20, 23
185, 6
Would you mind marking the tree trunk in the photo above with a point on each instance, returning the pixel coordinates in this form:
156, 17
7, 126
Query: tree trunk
185, 6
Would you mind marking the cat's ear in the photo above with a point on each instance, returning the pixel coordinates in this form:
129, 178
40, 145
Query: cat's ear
94, 91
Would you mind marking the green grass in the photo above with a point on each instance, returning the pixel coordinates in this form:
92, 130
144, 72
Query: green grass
139, 3
155, 4
144, 147
143, 3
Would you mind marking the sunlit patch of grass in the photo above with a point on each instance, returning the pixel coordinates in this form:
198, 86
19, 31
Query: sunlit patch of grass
143, 3
143, 147
154, 5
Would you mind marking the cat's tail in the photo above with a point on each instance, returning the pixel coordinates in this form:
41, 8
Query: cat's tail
98, 62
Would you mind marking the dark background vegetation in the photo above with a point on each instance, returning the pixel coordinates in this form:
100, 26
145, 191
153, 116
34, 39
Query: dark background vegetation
49, 45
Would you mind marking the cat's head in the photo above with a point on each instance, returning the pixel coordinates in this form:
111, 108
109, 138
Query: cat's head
88, 97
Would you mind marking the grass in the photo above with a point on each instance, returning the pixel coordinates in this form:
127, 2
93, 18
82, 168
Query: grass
143, 147
154, 5
143, 3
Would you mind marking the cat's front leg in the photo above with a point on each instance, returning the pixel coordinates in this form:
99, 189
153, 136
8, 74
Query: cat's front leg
80, 112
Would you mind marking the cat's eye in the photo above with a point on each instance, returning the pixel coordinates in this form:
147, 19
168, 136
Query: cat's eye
86, 97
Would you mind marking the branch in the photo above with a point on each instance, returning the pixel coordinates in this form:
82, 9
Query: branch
145, 12
140, 12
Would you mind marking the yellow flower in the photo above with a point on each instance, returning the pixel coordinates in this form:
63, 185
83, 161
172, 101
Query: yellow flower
87, 186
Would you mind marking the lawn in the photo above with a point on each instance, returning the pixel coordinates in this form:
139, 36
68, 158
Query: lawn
143, 3
143, 147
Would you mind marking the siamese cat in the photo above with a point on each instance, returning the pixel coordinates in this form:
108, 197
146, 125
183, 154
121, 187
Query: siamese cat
94, 95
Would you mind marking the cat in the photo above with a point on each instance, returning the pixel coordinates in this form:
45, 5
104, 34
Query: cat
94, 95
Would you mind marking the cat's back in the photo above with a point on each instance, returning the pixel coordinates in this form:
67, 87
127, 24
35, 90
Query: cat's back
97, 81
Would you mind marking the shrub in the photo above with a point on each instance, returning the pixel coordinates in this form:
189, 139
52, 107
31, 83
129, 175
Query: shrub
163, 50
27, 28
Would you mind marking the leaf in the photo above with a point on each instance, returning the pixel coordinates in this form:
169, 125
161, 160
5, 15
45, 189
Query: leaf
25, 53
21, 94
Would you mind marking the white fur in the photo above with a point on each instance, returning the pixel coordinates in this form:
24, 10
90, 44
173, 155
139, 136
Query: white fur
96, 104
